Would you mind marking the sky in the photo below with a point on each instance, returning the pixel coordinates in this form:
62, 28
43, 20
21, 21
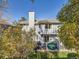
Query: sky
44, 9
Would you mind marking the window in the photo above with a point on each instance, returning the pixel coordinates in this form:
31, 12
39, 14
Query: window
46, 38
39, 26
48, 26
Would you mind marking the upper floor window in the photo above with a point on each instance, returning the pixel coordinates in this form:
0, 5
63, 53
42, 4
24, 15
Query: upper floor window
47, 26
40, 26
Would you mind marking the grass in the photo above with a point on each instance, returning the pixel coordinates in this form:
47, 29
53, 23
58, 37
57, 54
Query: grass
63, 54
48, 55
52, 55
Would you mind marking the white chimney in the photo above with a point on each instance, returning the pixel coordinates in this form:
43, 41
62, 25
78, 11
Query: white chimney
31, 19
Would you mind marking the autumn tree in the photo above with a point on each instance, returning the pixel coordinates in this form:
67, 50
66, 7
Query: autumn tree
15, 43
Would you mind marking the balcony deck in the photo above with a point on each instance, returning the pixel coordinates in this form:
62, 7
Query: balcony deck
48, 32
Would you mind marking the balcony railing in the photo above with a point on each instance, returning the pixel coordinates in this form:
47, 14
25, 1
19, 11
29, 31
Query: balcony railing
48, 31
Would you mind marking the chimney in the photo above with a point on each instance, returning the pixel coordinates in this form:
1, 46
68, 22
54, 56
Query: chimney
31, 19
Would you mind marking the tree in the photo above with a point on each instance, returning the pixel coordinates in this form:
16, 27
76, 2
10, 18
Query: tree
9, 39
28, 42
32, 1
13, 44
67, 35
23, 19
14, 23
70, 12
69, 31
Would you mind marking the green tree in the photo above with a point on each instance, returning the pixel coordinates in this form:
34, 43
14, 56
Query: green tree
67, 35
70, 12
69, 31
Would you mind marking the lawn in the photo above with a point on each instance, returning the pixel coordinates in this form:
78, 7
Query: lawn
49, 55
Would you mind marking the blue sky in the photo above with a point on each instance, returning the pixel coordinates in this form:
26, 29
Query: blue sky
44, 9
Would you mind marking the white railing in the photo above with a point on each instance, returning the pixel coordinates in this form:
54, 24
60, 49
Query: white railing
48, 31
39, 38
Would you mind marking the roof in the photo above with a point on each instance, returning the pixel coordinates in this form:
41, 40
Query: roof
4, 22
23, 22
51, 21
48, 21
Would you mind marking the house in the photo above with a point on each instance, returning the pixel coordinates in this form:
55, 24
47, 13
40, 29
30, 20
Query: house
46, 31
4, 23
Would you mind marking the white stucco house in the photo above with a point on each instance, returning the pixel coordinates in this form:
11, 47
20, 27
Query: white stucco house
46, 30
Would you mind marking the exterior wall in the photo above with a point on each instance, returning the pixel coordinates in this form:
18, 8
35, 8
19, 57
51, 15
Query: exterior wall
52, 30
41, 31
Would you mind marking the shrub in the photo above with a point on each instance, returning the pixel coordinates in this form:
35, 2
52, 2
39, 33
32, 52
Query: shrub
73, 56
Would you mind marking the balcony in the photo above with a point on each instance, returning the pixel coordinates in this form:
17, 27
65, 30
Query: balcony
48, 31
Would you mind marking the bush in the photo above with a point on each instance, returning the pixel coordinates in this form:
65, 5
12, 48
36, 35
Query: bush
38, 55
33, 56
47, 55
73, 56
